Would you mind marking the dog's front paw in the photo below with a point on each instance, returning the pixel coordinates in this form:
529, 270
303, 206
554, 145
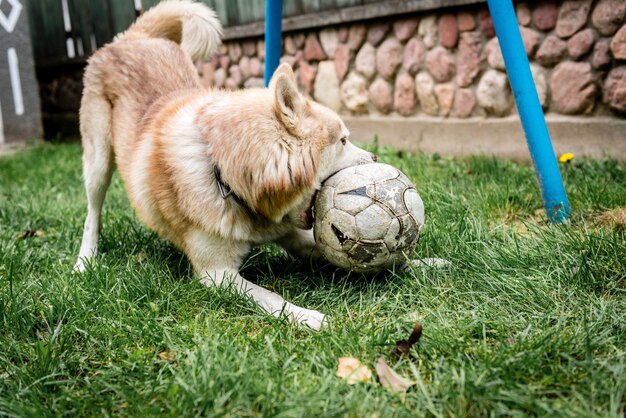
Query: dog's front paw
80, 266
312, 319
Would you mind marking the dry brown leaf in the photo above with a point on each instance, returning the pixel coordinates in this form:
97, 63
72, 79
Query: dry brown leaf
353, 371
403, 347
29, 233
390, 379
166, 355
140, 257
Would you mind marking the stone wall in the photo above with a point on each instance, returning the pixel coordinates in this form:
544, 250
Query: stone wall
448, 63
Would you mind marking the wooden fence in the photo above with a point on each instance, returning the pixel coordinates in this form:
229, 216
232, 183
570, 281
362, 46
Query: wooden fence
68, 31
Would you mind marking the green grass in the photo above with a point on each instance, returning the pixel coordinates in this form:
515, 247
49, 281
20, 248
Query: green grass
529, 320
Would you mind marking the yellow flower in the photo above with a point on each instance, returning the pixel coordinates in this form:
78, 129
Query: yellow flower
566, 158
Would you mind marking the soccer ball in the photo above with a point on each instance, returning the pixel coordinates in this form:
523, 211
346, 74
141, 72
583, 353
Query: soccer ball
368, 218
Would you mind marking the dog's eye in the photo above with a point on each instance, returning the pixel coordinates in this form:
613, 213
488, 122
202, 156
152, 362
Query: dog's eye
344, 140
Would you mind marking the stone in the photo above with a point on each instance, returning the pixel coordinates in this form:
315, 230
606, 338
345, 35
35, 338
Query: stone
244, 66
485, 23
522, 11
306, 76
235, 52
219, 77
405, 28
224, 61
255, 67
208, 72
329, 40
377, 32
468, 58
231, 84
312, 49
234, 74
254, 82
365, 61
615, 89
289, 46
493, 93
494, 54
249, 48
464, 103
545, 14
289, 59
342, 34
448, 30
445, 97
608, 15
380, 95
299, 39
581, 43
551, 51
388, 57
572, 16
404, 95
223, 49
440, 64
601, 56
354, 92
414, 54
424, 87
618, 44
356, 36
465, 21
427, 30
531, 40
573, 88
342, 60
541, 84
326, 88
260, 48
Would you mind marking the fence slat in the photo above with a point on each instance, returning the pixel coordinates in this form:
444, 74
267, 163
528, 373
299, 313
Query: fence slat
123, 13
310, 6
292, 8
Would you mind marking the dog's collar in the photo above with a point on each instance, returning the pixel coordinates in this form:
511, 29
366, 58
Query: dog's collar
226, 191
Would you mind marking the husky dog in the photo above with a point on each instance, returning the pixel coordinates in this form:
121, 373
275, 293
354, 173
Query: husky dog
212, 171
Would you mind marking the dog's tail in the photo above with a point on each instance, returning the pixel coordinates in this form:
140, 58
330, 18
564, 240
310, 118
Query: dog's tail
192, 25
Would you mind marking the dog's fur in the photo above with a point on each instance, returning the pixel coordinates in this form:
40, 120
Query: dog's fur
143, 108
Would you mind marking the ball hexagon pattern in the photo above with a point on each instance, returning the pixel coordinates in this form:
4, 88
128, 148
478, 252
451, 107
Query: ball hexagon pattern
368, 218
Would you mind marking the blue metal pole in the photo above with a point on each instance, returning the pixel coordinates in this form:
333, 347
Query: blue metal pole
531, 114
273, 36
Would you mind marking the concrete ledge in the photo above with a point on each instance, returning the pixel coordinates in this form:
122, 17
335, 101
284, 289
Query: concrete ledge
596, 137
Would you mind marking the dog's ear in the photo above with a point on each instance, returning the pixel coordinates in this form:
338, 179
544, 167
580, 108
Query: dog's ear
289, 105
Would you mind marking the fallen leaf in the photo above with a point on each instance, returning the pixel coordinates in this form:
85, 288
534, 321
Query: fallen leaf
140, 257
390, 379
353, 370
166, 355
403, 347
29, 233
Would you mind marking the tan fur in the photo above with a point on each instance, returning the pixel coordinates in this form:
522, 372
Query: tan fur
144, 107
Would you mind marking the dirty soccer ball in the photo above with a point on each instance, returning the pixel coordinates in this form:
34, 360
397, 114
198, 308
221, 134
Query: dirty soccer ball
368, 218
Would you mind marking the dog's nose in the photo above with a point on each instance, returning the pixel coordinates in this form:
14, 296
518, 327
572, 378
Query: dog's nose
374, 157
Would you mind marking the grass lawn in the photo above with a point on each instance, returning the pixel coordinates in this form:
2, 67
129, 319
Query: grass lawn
530, 320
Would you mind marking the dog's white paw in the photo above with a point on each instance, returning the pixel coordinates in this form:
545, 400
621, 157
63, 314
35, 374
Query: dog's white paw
81, 265
312, 319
